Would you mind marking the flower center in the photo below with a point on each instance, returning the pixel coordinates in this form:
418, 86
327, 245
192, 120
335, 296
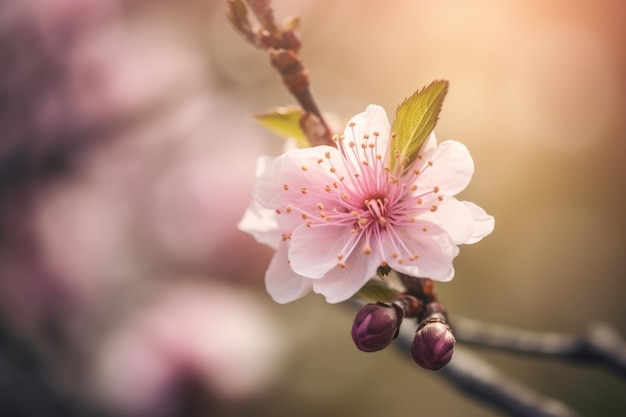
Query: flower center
378, 209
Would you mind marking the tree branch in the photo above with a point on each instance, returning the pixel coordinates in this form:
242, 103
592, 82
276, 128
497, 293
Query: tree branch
599, 344
282, 44
476, 378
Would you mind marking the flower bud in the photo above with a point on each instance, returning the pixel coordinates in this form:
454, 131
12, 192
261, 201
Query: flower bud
376, 326
432, 345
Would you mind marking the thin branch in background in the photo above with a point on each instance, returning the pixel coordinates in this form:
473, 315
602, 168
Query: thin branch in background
282, 44
476, 378
599, 344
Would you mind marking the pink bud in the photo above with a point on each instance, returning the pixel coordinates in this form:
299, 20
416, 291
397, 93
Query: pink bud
376, 326
433, 345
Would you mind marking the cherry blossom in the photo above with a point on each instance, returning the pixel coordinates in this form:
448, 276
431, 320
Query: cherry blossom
335, 215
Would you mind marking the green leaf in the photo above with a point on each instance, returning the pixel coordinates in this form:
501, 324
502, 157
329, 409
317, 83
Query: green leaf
285, 122
416, 117
376, 290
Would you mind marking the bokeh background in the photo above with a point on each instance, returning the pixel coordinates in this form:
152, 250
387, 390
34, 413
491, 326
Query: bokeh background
127, 152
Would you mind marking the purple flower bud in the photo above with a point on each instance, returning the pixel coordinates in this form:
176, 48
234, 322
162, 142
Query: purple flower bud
376, 326
433, 345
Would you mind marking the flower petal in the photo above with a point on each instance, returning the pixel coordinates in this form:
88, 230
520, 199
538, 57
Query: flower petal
373, 119
261, 224
316, 250
262, 164
339, 284
282, 284
483, 223
307, 176
362, 126
266, 187
452, 216
449, 166
421, 249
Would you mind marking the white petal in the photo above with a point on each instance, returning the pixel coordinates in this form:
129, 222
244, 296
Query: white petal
432, 244
267, 186
449, 166
262, 164
308, 168
282, 284
373, 119
316, 250
483, 223
339, 284
261, 224
452, 216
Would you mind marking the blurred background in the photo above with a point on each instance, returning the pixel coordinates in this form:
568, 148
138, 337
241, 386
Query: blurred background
127, 152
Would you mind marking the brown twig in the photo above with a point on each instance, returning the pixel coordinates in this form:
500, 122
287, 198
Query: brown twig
282, 44
478, 379
599, 344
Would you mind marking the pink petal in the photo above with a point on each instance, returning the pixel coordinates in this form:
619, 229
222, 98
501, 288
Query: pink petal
483, 223
449, 166
267, 185
452, 216
373, 119
339, 284
261, 224
306, 173
282, 284
433, 246
316, 250
262, 164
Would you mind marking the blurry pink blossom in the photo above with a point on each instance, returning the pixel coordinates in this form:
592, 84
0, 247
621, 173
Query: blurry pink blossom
335, 215
212, 335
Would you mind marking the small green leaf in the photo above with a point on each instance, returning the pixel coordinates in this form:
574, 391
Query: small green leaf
376, 290
416, 117
285, 122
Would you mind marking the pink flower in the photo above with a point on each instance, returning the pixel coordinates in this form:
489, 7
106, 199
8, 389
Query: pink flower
334, 215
